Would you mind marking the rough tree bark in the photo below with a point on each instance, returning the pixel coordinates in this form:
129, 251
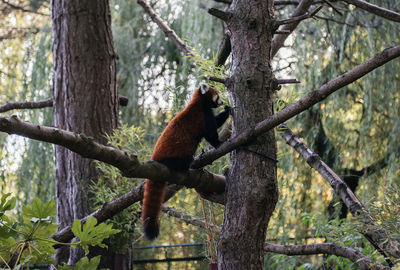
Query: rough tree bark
85, 98
251, 193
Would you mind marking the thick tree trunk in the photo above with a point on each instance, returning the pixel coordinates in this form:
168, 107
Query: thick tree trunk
251, 181
85, 98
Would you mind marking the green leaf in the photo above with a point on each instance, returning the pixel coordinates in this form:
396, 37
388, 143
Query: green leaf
7, 204
87, 264
39, 210
91, 235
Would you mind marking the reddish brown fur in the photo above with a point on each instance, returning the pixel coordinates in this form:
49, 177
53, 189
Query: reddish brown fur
178, 140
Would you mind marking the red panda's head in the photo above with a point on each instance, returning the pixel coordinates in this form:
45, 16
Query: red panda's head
210, 95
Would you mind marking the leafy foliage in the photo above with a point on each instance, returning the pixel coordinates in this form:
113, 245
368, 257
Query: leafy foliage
28, 242
91, 235
386, 210
111, 185
83, 263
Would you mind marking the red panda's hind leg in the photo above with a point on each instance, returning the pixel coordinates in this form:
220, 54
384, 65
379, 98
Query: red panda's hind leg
177, 163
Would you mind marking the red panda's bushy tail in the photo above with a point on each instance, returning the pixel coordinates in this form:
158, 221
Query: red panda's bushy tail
153, 199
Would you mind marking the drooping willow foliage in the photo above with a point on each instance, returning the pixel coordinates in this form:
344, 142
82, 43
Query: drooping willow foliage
354, 128
27, 167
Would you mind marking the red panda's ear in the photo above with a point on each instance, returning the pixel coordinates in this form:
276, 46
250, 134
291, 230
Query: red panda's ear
204, 88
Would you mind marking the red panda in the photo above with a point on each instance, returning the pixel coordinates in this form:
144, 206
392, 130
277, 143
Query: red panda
177, 145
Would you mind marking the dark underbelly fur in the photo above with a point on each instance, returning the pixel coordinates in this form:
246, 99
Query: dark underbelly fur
177, 163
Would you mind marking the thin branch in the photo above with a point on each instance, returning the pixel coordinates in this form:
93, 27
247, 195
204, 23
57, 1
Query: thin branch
225, 46
299, 106
224, 1
279, 40
23, 9
188, 218
129, 165
366, 171
287, 81
337, 21
278, 2
224, 50
377, 10
216, 79
282, 32
286, 2
362, 261
165, 28
333, 7
297, 19
222, 15
123, 101
377, 237
26, 105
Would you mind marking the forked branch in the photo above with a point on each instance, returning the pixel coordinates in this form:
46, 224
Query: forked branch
300, 10
362, 261
123, 101
377, 237
297, 19
299, 106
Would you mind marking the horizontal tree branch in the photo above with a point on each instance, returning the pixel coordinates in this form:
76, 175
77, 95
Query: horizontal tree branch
129, 165
165, 28
123, 101
377, 10
297, 107
287, 81
26, 105
377, 237
188, 218
362, 261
